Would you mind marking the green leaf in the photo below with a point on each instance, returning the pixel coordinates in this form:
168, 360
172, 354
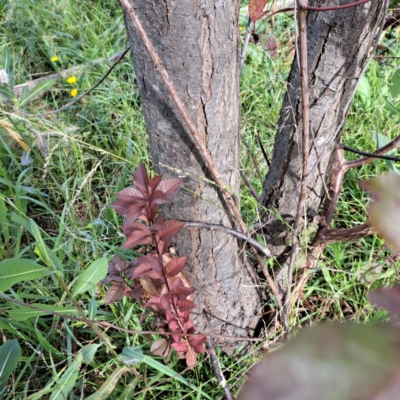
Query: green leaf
6, 92
395, 87
89, 278
45, 254
35, 92
89, 351
44, 342
67, 381
129, 392
16, 270
108, 386
24, 313
364, 90
10, 353
7, 59
134, 355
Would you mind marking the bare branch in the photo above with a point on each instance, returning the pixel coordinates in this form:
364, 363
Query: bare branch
376, 154
334, 8
249, 185
217, 370
213, 227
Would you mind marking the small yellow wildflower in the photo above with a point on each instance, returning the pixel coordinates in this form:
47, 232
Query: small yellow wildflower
71, 79
73, 92
54, 59
241, 28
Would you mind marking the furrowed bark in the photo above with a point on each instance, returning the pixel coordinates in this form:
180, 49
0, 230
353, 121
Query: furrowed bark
338, 45
198, 45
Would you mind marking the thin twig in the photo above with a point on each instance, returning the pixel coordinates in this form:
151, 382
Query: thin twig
334, 8
213, 227
77, 98
305, 107
262, 148
249, 185
134, 332
217, 370
371, 156
245, 45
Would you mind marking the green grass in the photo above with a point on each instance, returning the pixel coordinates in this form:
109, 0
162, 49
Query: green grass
93, 148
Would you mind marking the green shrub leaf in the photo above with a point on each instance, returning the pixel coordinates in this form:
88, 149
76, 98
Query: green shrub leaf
15, 270
91, 276
10, 352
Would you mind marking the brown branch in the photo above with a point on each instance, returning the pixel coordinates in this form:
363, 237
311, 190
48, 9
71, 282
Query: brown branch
262, 149
217, 370
376, 154
135, 332
250, 186
324, 237
334, 8
194, 224
305, 107
198, 140
370, 155
329, 235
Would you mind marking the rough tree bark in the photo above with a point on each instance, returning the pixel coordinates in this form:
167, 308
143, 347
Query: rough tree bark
338, 45
197, 42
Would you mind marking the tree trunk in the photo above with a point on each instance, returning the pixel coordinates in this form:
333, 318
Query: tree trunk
338, 45
197, 42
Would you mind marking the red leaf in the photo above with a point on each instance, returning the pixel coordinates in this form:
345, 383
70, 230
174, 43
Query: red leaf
175, 266
159, 197
135, 239
135, 293
164, 301
188, 327
197, 342
117, 264
179, 291
154, 301
135, 210
115, 292
191, 358
151, 261
156, 227
181, 346
140, 179
170, 187
146, 269
186, 305
153, 184
172, 228
387, 298
256, 8
132, 194
136, 233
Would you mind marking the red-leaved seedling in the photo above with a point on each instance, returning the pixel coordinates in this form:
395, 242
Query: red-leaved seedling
156, 277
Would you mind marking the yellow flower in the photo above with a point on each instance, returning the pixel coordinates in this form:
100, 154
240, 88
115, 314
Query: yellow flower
71, 79
73, 92
241, 28
54, 59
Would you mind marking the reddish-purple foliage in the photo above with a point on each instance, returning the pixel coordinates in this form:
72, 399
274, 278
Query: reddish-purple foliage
155, 276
